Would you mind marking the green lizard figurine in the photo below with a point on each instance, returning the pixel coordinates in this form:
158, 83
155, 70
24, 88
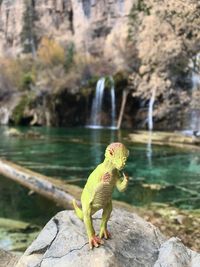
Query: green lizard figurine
97, 193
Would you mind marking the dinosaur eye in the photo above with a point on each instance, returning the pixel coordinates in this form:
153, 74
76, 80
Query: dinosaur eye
111, 152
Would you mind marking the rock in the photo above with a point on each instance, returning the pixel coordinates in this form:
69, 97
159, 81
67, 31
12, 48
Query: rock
174, 254
7, 259
135, 243
13, 132
159, 30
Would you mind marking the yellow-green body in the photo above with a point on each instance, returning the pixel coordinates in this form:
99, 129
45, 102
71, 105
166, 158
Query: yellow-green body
97, 193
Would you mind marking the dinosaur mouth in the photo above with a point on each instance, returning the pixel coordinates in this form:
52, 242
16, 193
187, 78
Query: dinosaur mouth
120, 167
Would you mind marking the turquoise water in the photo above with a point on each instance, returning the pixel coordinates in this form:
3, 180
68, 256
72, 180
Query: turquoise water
166, 175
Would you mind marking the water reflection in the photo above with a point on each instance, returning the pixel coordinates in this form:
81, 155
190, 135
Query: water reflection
149, 151
96, 148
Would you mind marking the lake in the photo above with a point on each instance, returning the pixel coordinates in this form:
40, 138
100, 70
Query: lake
162, 174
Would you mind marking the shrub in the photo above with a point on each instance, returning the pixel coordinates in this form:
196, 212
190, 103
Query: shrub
69, 58
26, 80
11, 72
50, 52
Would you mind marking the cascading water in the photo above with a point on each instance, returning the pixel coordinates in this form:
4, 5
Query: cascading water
97, 104
113, 105
95, 117
4, 116
150, 126
192, 122
150, 111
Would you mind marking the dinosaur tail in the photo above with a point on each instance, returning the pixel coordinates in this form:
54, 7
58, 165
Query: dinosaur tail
78, 211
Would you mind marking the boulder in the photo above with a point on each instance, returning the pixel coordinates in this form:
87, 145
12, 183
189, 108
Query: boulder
134, 243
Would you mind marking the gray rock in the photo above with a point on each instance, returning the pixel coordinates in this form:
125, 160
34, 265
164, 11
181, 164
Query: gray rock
135, 243
174, 254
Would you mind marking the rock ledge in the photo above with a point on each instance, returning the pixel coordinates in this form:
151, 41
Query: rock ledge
134, 243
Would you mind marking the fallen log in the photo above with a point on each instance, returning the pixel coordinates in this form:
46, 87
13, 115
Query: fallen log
52, 188
166, 138
57, 190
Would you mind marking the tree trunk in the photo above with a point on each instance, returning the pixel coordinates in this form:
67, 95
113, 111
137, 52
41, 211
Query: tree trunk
51, 188
124, 97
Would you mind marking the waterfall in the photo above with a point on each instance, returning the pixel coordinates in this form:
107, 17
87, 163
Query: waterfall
113, 105
150, 111
4, 116
97, 104
192, 122
121, 6
95, 118
150, 127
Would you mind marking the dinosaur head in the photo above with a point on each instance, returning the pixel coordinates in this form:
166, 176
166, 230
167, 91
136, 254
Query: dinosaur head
117, 153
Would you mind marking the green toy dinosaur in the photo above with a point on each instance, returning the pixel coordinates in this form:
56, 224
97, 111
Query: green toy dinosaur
97, 193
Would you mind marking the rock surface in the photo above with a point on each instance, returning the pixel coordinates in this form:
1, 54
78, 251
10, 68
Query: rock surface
166, 37
7, 259
134, 243
93, 26
155, 41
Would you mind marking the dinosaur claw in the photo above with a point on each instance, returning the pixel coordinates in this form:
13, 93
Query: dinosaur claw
95, 241
105, 234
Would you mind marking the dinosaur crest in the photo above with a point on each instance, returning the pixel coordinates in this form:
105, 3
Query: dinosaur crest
118, 154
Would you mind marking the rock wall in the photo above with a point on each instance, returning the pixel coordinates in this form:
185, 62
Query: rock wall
166, 38
154, 42
95, 27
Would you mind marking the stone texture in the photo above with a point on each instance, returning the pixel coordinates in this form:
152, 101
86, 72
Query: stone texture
134, 243
7, 259
174, 254
166, 37
160, 55
95, 27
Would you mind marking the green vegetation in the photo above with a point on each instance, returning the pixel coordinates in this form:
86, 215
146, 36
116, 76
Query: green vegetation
69, 56
20, 108
27, 80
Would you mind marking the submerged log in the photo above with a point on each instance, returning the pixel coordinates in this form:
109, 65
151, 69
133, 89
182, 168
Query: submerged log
51, 188
165, 138
57, 190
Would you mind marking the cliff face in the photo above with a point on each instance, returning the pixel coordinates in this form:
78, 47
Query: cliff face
166, 37
155, 41
95, 27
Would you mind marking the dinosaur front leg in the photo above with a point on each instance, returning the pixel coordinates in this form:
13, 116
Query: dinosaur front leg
105, 217
94, 241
